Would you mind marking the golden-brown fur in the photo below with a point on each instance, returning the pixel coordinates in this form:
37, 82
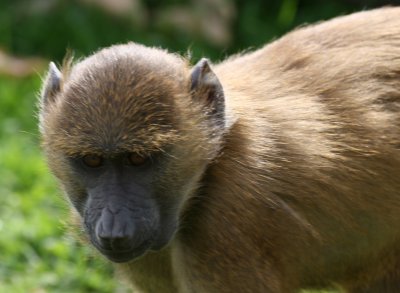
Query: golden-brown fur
306, 190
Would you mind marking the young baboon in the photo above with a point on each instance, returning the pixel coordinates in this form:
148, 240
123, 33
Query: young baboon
272, 171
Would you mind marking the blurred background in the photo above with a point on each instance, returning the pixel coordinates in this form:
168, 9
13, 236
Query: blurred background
37, 253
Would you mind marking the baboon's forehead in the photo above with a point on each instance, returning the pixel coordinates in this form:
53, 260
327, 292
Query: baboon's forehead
120, 99
114, 116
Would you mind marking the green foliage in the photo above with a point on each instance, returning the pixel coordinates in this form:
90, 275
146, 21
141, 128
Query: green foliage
27, 28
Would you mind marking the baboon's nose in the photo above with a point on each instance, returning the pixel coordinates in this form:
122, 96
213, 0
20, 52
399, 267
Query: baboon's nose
114, 230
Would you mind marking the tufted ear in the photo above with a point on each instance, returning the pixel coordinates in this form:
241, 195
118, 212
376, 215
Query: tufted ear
207, 89
51, 86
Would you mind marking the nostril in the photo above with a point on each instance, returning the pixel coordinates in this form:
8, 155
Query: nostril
103, 238
123, 238
114, 232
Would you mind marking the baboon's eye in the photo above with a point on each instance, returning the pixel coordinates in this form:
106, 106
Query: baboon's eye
93, 161
135, 159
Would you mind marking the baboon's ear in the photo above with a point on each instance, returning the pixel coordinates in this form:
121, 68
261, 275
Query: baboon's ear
51, 85
207, 89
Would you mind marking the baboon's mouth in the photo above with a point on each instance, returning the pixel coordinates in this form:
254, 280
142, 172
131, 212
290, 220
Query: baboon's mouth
121, 256
126, 255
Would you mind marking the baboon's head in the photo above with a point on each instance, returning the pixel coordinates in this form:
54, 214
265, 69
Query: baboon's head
128, 132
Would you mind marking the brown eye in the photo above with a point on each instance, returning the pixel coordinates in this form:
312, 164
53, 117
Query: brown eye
92, 161
136, 159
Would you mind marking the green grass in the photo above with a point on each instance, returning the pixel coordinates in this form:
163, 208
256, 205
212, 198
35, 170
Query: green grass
37, 253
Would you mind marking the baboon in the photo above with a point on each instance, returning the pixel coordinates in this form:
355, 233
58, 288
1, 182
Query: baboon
272, 171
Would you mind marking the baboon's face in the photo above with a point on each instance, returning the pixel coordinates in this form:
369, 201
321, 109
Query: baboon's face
125, 207
131, 202
126, 174
129, 143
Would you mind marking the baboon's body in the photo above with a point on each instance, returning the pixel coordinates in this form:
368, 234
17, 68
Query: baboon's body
305, 191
